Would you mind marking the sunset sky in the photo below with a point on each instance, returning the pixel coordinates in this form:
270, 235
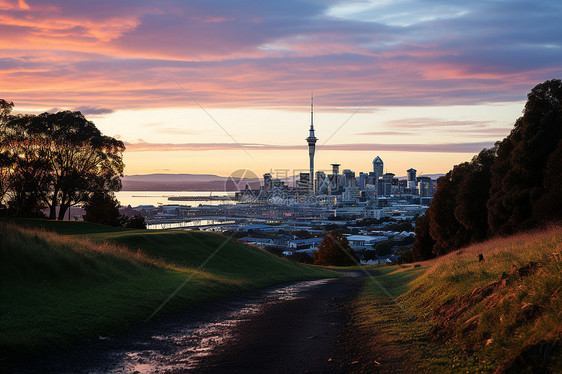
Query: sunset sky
213, 86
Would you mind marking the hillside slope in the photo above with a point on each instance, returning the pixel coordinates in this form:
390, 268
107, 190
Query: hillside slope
60, 289
503, 314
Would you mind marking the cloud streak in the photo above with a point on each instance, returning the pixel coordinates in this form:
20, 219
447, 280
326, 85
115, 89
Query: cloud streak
473, 147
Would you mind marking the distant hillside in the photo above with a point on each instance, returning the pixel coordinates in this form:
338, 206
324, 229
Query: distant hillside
181, 182
173, 178
190, 182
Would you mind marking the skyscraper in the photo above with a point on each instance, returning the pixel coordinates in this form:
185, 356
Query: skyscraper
378, 167
311, 144
412, 182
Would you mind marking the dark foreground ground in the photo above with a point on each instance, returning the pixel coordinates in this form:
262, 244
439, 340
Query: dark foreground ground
295, 328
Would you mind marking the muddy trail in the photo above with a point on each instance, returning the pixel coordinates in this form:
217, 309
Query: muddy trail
294, 328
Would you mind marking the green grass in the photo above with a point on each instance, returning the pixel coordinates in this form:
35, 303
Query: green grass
455, 314
95, 280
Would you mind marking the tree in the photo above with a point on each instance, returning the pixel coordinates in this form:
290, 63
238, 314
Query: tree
473, 194
457, 215
135, 222
28, 174
444, 228
384, 248
102, 207
423, 246
523, 159
334, 250
549, 206
5, 157
59, 160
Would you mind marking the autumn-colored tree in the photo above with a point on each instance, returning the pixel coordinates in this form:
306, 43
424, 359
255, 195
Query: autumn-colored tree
334, 250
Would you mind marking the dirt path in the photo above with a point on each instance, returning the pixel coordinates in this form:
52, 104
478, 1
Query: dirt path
290, 329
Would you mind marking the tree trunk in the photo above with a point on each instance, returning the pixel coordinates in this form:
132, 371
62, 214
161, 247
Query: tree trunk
53, 206
63, 207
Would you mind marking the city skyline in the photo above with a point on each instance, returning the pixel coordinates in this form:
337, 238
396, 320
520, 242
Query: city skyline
211, 87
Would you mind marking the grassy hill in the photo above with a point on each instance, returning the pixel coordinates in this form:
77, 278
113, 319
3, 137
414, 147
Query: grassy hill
80, 281
456, 314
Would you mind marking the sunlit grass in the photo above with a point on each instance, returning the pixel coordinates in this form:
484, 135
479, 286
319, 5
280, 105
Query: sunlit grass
494, 312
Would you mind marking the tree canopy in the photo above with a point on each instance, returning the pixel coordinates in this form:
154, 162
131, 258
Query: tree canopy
514, 186
334, 250
526, 162
56, 160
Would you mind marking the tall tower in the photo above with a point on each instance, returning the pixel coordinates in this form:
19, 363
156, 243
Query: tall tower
311, 145
378, 167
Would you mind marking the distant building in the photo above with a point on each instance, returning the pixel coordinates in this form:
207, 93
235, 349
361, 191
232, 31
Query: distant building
267, 183
364, 242
425, 186
299, 244
320, 177
378, 167
303, 183
412, 178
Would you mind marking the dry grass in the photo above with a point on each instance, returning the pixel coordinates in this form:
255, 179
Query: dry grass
476, 316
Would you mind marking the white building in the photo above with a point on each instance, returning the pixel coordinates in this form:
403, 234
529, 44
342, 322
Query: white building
364, 242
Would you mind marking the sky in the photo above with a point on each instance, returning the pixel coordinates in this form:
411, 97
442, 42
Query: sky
212, 86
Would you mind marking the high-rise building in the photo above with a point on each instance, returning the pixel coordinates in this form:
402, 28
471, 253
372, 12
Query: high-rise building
304, 182
335, 181
320, 176
378, 167
425, 186
412, 182
311, 140
267, 183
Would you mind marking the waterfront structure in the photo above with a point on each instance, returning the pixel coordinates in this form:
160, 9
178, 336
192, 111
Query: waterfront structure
311, 140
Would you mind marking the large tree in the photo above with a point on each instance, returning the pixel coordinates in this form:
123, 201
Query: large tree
512, 187
457, 215
28, 174
59, 160
523, 160
422, 249
472, 195
5, 157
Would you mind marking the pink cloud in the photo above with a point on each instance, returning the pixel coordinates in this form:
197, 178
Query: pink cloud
473, 147
74, 54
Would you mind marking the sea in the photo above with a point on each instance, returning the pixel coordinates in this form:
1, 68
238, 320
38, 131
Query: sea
136, 198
